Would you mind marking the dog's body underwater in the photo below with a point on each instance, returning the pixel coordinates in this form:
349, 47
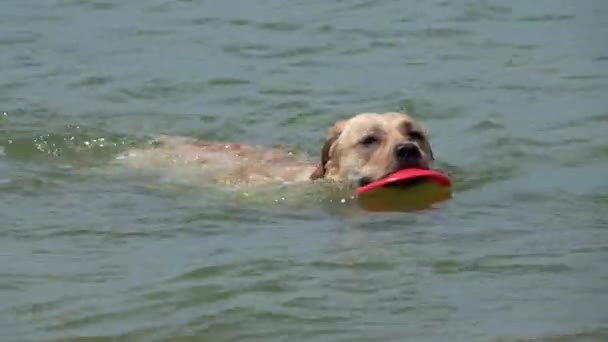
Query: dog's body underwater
219, 162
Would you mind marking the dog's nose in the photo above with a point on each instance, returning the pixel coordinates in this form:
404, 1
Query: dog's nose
406, 151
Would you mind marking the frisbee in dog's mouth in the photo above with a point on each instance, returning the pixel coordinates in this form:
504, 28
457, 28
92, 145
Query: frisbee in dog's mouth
405, 190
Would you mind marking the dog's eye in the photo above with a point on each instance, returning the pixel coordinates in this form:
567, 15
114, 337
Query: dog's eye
369, 140
417, 135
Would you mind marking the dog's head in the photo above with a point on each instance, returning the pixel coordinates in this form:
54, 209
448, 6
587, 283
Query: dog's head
369, 146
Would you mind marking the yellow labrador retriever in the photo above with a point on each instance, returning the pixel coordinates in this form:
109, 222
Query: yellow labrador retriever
357, 151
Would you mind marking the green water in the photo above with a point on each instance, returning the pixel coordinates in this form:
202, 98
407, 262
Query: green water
514, 94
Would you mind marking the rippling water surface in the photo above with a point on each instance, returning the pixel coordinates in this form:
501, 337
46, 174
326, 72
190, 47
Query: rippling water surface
513, 93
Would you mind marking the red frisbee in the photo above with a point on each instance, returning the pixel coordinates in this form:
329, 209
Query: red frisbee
404, 190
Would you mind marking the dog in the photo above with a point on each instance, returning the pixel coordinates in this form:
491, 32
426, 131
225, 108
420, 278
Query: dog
357, 151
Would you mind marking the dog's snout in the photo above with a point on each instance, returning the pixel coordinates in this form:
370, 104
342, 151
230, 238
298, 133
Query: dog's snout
406, 151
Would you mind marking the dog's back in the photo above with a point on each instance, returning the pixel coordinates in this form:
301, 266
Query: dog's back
220, 162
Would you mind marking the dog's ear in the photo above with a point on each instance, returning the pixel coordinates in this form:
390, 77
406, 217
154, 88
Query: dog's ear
330, 138
428, 141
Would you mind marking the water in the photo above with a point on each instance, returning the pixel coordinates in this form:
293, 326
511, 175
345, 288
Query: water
513, 93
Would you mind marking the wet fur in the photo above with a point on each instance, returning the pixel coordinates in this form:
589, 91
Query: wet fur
343, 157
